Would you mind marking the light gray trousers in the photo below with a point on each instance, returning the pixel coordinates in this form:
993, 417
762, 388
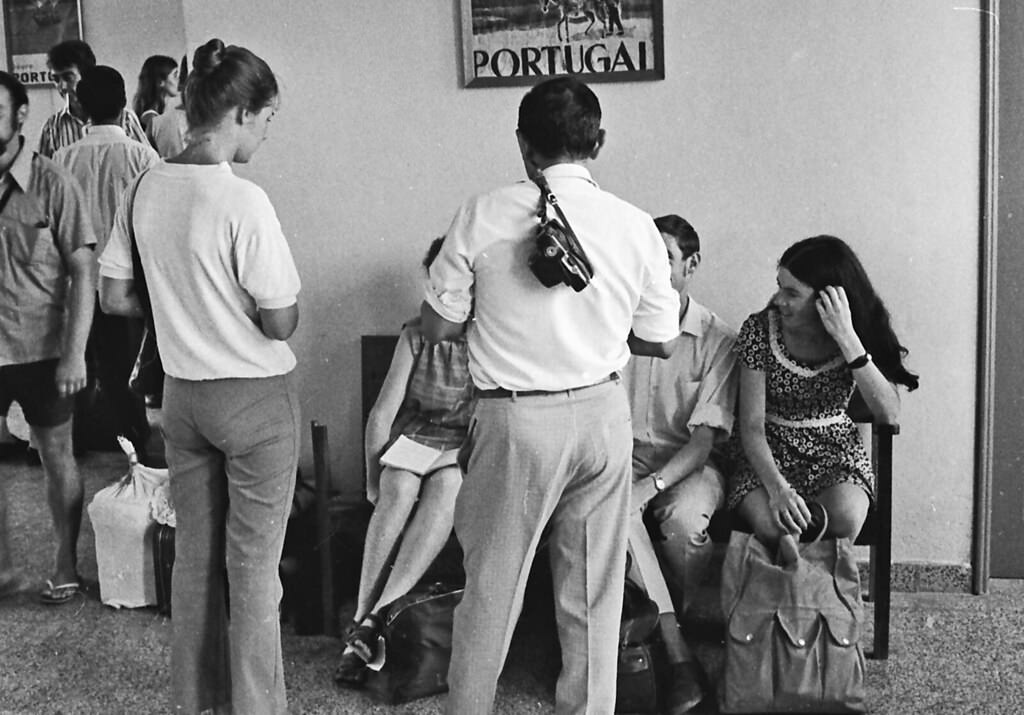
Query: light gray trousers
561, 459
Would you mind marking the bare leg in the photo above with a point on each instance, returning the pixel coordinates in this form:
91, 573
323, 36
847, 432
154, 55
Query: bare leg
847, 507
65, 494
425, 536
398, 493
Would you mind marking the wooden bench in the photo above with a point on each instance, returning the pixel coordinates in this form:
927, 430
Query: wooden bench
376, 352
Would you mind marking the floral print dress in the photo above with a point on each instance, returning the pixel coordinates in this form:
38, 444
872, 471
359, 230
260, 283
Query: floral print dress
814, 442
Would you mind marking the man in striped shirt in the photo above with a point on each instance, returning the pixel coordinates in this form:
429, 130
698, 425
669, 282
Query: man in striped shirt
69, 61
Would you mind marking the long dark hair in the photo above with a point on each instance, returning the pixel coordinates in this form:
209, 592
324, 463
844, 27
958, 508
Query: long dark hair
822, 261
154, 71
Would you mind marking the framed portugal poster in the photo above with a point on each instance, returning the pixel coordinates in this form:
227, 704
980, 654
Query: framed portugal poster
519, 42
34, 26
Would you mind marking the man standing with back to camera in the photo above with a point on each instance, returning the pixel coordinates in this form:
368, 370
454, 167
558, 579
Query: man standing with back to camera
550, 437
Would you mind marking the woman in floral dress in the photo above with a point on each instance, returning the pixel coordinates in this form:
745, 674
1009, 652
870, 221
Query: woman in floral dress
801, 469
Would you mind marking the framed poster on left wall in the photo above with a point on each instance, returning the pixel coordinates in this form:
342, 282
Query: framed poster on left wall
34, 26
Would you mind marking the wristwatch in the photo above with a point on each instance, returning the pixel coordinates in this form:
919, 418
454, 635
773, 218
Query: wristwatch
659, 483
860, 362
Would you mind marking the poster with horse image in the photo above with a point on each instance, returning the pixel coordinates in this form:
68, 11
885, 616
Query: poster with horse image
519, 42
34, 26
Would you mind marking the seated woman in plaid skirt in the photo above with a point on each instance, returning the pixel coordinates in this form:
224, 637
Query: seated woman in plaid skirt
426, 400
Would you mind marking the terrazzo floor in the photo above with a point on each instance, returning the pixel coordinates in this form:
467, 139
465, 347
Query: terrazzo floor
950, 653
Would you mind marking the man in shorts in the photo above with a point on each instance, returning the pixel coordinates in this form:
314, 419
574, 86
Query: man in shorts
47, 293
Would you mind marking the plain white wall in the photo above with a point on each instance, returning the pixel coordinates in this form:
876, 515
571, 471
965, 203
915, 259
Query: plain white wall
776, 120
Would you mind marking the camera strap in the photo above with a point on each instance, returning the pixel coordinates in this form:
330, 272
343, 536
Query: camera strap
547, 196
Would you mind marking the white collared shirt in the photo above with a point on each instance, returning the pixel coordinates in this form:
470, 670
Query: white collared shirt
105, 161
696, 386
527, 337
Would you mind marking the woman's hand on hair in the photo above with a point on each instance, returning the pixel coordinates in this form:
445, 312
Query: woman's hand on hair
834, 310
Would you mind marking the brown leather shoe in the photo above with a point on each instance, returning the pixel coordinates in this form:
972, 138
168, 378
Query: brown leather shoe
685, 688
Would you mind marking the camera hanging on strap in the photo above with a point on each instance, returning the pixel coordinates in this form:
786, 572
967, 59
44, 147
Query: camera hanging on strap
557, 257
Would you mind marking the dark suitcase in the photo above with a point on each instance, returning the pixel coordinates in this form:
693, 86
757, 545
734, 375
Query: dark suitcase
163, 563
643, 664
418, 637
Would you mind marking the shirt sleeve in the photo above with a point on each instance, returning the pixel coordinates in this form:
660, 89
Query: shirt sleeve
656, 318
450, 279
72, 222
116, 259
716, 399
266, 269
752, 343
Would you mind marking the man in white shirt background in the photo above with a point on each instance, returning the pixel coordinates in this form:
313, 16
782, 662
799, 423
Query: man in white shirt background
105, 162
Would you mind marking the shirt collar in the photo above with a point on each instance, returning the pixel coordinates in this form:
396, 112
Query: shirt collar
21, 169
568, 170
694, 319
64, 114
108, 130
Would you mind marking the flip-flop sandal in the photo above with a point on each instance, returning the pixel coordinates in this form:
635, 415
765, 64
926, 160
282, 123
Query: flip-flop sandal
60, 594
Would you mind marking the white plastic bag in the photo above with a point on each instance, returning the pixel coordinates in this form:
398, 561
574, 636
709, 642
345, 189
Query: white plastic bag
122, 517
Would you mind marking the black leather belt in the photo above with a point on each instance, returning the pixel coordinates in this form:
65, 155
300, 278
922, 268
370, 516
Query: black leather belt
502, 392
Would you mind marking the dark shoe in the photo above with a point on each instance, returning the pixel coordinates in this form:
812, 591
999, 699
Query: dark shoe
363, 638
351, 671
819, 523
685, 688
13, 448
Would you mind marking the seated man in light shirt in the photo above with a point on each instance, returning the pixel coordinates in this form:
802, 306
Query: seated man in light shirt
681, 408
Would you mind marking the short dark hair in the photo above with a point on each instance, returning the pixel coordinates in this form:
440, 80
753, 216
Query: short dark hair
680, 229
101, 93
19, 95
223, 77
560, 117
71, 52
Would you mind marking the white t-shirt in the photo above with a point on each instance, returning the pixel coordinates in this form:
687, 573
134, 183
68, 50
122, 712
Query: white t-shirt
527, 337
212, 252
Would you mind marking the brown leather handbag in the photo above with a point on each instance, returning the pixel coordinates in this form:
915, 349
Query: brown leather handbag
793, 641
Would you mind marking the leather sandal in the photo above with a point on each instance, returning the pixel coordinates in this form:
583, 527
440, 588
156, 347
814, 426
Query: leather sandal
363, 639
351, 670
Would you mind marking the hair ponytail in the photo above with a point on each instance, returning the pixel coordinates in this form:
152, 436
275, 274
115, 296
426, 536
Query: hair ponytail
223, 78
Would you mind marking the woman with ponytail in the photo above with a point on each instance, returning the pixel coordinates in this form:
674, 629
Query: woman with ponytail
801, 469
222, 287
